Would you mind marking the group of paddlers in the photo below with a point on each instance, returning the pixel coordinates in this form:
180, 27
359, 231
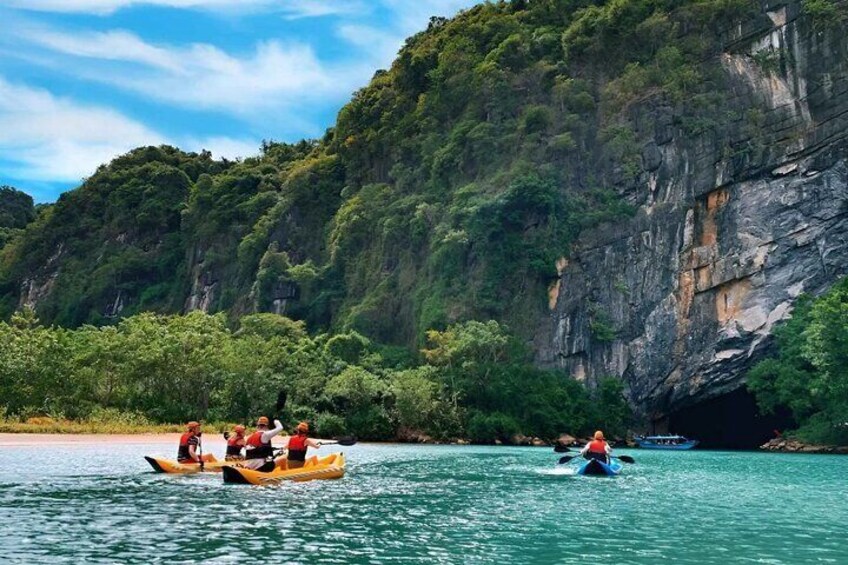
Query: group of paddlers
254, 451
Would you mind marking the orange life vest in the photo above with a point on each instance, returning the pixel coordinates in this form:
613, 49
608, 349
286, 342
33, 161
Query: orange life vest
297, 447
597, 446
235, 444
183, 454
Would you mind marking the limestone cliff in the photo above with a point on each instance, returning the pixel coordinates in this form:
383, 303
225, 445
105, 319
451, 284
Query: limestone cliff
732, 225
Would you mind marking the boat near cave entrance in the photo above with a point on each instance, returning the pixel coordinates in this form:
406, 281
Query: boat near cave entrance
674, 443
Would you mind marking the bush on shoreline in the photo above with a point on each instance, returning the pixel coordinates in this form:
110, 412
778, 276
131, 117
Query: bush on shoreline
809, 375
150, 371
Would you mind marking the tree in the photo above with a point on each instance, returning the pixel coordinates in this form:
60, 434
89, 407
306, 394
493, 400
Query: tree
809, 374
16, 208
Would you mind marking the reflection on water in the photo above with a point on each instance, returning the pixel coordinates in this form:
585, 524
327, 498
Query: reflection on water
102, 503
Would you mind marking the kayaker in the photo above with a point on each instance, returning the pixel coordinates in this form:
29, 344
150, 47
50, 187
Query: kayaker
298, 444
190, 444
235, 444
598, 448
257, 450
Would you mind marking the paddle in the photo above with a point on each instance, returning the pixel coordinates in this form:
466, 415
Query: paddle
345, 441
622, 458
282, 397
281, 402
200, 449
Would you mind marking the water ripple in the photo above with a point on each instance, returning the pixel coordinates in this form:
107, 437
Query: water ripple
426, 504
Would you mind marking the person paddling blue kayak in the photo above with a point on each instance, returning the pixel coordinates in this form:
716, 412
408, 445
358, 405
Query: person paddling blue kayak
597, 449
598, 454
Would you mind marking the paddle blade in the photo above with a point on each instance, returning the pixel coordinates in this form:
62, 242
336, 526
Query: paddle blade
626, 459
226, 435
561, 449
281, 400
347, 440
565, 459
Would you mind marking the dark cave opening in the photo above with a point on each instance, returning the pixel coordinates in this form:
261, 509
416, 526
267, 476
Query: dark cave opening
730, 421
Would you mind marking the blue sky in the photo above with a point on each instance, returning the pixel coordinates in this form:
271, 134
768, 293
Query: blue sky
82, 81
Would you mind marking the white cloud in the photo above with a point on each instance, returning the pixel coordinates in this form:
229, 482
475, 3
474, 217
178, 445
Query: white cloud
283, 78
49, 138
317, 8
105, 7
291, 9
275, 76
117, 45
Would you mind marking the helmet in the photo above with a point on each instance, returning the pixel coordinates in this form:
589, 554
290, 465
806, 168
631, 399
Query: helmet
262, 421
303, 427
599, 435
239, 429
192, 425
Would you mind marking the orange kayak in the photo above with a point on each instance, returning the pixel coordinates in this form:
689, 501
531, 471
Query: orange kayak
330, 467
161, 465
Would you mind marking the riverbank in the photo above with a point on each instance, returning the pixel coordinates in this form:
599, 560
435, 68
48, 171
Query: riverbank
69, 431
784, 445
43, 439
46, 425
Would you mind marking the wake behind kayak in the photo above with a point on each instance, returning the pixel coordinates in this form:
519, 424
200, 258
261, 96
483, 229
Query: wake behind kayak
599, 468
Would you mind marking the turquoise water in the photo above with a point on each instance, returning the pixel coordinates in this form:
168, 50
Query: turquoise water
423, 504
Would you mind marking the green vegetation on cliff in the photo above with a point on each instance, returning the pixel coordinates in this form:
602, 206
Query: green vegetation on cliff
810, 373
446, 191
476, 383
16, 211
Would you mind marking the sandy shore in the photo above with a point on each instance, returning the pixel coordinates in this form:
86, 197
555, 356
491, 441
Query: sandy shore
14, 440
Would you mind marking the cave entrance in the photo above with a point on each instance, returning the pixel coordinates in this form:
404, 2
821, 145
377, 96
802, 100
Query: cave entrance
730, 421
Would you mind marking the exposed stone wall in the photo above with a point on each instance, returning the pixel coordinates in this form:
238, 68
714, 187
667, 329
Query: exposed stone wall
731, 228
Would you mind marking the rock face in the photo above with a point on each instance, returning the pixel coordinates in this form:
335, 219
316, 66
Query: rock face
732, 226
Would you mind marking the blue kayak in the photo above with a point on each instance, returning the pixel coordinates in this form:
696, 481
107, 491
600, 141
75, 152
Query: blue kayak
595, 467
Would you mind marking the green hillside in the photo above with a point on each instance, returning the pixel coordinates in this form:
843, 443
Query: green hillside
446, 191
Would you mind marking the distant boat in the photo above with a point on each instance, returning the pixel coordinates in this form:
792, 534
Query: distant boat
665, 442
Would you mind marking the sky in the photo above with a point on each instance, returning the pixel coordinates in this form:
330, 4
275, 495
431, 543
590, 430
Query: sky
83, 81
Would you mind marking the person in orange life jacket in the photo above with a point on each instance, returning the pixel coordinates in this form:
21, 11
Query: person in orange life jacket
258, 450
297, 446
235, 443
189, 445
598, 448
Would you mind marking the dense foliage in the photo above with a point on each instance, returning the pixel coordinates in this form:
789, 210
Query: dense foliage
16, 208
476, 383
16, 211
810, 373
